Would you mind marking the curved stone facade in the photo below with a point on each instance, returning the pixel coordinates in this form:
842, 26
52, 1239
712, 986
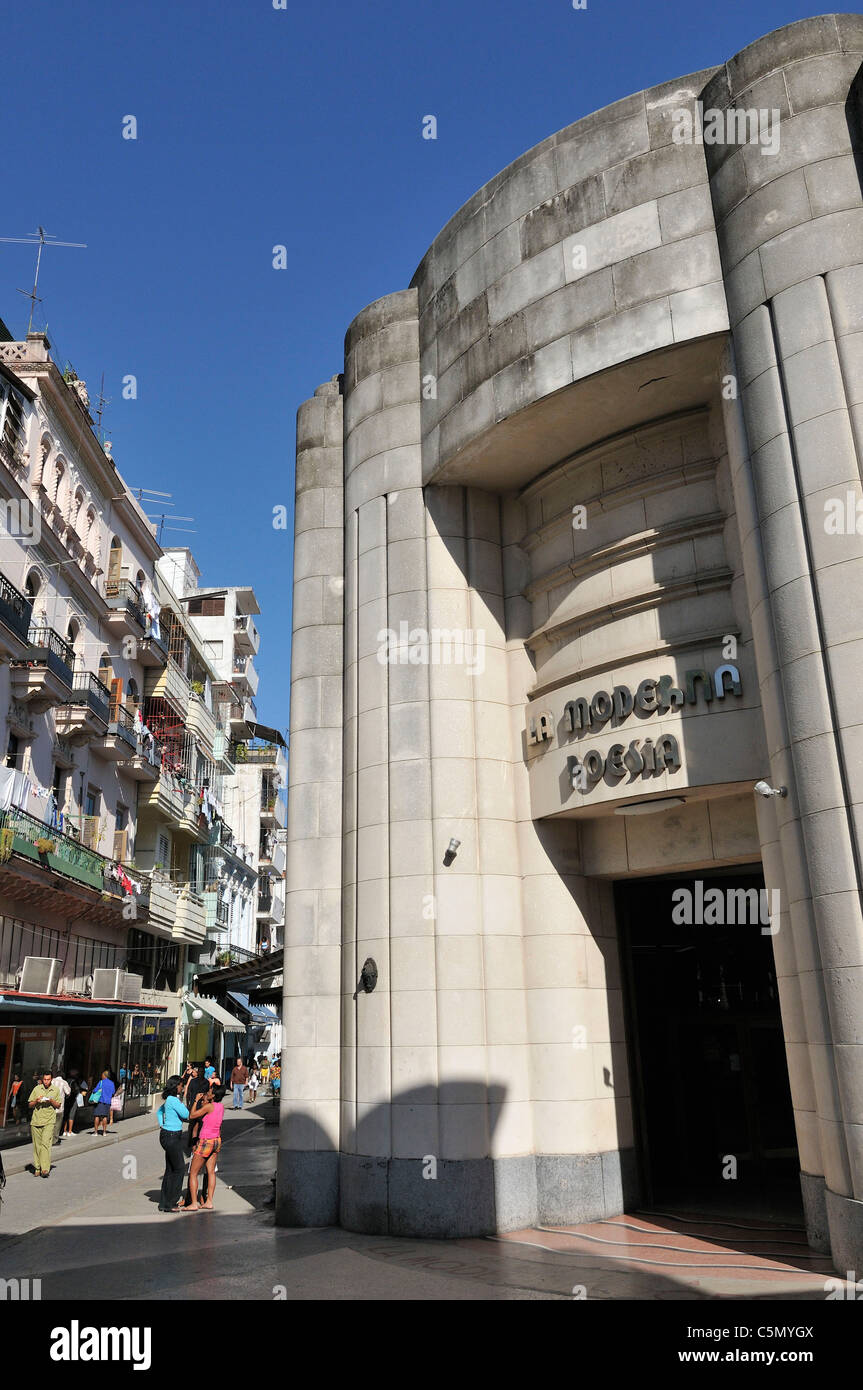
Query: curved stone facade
581, 470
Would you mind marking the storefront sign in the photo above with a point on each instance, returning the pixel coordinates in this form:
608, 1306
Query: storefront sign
641, 758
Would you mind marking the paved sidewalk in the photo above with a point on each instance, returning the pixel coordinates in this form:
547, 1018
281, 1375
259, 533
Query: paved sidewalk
93, 1232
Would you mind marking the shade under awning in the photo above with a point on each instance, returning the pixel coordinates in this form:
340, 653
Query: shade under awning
265, 732
228, 1022
258, 1013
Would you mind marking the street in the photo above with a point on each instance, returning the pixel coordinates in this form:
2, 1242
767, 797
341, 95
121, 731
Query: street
93, 1232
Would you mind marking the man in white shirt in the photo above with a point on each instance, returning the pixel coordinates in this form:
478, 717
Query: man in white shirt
65, 1090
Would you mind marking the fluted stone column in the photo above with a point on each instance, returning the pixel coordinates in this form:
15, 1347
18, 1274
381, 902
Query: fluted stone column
308, 1176
791, 231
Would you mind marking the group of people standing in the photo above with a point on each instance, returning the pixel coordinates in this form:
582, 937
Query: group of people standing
52, 1103
195, 1098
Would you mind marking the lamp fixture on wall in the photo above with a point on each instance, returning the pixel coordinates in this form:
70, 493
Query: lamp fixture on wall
451, 851
765, 789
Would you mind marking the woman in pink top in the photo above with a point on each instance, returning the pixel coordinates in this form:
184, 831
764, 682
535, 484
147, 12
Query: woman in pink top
209, 1109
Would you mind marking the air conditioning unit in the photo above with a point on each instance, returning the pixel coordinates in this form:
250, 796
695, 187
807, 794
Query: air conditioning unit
132, 989
40, 975
107, 984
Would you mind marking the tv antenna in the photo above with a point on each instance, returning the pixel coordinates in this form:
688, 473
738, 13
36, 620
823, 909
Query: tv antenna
39, 238
165, 516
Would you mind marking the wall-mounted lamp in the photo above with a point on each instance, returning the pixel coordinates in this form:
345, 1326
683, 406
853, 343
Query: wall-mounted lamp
368, 977
765, 789
451, 850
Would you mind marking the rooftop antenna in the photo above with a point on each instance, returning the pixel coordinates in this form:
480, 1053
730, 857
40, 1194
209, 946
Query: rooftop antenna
101, 402
39, 238
162, 527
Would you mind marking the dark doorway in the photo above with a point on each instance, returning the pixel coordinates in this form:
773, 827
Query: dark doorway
714, 1123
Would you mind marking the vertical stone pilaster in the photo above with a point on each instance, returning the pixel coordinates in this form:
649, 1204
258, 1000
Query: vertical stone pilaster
308, 1176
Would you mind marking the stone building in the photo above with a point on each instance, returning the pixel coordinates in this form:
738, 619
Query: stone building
576, 541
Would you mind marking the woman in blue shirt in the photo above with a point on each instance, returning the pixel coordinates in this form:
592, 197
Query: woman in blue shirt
171, 1114
104, 1095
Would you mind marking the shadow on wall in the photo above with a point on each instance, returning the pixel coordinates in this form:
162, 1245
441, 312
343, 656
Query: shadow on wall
854, 117
430, 1195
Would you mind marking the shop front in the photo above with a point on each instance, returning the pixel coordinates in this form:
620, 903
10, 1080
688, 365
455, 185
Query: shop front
37, 1036
146, 1049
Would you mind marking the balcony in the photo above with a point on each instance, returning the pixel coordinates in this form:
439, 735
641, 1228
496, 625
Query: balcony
164, 798
217, 913
199, 721
43, 677
152, 652
263, 755
246, 638
163, 901
239, 716
63, 854
127, 617
244, 676
169, 684
223, 752
190, 922
269, 798
86, 713
146, 763
15, 615
120, 742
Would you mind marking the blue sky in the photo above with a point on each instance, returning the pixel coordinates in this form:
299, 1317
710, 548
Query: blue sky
259, 127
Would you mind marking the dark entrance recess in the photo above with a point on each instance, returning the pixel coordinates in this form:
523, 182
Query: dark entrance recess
707, 1055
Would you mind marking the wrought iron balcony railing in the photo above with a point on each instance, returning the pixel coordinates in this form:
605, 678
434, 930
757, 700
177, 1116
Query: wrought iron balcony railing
63, 853
88, 690
15, 609
122, 593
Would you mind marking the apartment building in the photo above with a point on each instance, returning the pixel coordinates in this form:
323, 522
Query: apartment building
116, 853
78, 644
256, 773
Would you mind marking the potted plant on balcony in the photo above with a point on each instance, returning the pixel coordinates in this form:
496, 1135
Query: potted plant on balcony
197, 688
44, 847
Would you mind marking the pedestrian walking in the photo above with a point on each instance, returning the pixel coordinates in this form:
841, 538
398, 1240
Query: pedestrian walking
117, 1102
265, 1070
44, 1102
13, 1106
211, 1112
71, 1106
101, 1098
64, 1088
254, 1083
239, 1081
171, 1114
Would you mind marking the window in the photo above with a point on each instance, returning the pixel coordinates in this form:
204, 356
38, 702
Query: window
91, 805
13, 750
33, 584
163, 852
72, 632
12, 431
115, 562
157, 961
57, 786
206, 607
